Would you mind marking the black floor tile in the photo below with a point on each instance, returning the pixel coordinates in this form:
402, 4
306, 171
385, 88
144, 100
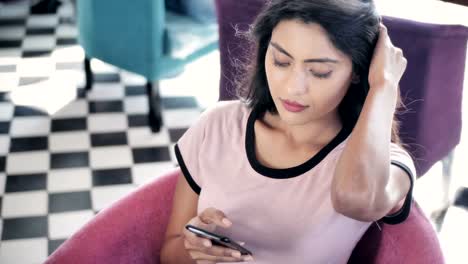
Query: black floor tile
107, 77
176, 133
69, 160
29, 144
70, 201
461, 198
28, 111
67, 41
105, 106
4, 97
35, 53
23, 183
12, 22
179, 102
111, 177
10, 43
108, 139
40, 31
26, 227
54, 244
2, 163
4, 127
137, 120
131, 90
69, 124
144, 155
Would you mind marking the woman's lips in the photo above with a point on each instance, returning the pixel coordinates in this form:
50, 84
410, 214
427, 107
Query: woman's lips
292, 106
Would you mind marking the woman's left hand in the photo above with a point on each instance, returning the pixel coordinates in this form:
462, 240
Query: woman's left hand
388, 63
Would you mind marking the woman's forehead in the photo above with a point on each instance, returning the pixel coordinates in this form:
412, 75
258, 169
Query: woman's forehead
304, 41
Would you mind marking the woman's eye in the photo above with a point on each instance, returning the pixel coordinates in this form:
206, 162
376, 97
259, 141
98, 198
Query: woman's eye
281, 64
321, 75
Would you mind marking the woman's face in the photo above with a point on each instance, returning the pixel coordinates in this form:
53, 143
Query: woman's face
307, 76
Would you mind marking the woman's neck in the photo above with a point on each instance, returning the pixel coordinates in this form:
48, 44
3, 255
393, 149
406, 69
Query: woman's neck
315, 133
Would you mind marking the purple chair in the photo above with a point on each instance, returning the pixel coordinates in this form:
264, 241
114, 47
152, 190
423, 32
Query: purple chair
431, 87
132, 231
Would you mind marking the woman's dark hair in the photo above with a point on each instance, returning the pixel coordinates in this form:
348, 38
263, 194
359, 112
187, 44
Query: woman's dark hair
351, 25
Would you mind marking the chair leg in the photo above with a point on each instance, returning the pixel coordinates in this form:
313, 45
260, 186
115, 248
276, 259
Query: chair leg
155, 106
88, 74
439, 214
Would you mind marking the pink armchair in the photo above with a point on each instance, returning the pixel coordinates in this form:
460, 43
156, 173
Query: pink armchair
132, 231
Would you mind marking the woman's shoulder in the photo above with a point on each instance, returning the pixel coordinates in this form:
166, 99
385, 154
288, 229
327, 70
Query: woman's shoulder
226, 110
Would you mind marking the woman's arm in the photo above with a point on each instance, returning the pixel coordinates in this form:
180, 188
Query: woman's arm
365, 186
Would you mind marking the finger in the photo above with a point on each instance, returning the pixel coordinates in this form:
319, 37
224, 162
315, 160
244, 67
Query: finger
215, 250
213, 215
196, 240
197, 255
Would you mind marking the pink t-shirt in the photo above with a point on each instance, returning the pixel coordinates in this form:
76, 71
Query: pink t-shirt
283, 215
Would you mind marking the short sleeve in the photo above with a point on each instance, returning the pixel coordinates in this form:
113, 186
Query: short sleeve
399, 157
188, 152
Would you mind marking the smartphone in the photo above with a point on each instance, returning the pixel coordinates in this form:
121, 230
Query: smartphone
218, 239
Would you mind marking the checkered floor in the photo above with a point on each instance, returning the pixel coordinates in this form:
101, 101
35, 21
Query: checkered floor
66, 154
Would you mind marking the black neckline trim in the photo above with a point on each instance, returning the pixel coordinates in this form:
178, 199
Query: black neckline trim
287, 172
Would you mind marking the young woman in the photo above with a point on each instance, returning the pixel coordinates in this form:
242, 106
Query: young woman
301, 166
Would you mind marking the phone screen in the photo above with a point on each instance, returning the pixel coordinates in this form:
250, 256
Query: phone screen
218, 239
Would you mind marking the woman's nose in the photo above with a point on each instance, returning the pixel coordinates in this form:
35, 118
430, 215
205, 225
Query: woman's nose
298, 84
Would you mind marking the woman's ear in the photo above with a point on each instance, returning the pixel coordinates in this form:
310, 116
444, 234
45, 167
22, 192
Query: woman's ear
355, 79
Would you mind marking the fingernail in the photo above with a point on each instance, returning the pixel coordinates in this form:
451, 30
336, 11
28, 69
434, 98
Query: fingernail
207, 243
236, 254
227, 222
248, 258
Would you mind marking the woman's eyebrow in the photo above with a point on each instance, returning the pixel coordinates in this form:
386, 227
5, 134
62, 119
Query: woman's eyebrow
320, 60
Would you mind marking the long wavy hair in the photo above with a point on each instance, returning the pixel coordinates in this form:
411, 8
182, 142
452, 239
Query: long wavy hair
352, 26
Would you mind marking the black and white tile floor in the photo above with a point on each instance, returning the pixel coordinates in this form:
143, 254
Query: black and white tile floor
56, 140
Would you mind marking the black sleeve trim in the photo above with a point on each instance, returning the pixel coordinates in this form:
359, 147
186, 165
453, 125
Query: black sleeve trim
185, 171
401, 215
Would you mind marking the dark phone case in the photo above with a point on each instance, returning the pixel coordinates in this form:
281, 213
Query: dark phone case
218, 239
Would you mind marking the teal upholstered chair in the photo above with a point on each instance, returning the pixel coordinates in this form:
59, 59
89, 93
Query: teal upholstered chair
144, 38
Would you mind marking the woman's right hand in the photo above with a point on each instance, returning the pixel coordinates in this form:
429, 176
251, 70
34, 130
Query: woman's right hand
201, 249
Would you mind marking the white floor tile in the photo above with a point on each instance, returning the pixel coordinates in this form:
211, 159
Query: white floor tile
145, 173
103, 197
34, 67
111, 157
67, 180
2, 185
180, 118
6, 111
64, 225
24, 251
136, 105
106, 91
12, 32
42, 21
107, 122
77, 108
4, 145
454, 235
39, 42
9, 81
19, 9
25, 204
98, 66
142, 137
68, 54
37, 161
30, 126
69, 141
66, 31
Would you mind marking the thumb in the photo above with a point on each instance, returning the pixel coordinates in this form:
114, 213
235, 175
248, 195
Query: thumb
213, 215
